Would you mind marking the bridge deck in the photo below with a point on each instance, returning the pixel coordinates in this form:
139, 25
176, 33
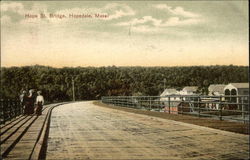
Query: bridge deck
86, 131
20, 136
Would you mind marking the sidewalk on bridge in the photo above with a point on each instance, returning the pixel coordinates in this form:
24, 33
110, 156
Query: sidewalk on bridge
22, 136
236, 127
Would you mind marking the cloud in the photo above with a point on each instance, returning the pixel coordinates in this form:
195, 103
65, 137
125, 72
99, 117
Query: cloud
143, 20
178, 17
148, 24
178, 11
19, 9
13, 6
176, 21
5, 20
145, 29
150, 21
118, 11
119, 14
113, 10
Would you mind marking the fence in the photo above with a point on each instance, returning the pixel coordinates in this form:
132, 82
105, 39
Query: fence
221, 107
9, 109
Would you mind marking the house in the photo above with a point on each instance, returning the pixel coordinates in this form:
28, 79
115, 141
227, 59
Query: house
189, 90
169, 91
170, 96
216, 89
237, 89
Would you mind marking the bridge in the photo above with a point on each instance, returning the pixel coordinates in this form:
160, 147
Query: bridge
87, 130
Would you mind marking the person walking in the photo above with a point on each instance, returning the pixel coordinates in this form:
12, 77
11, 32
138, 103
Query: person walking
30, 102
39, 103
23, 99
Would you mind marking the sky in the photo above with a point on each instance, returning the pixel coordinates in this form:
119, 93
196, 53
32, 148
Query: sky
126, 33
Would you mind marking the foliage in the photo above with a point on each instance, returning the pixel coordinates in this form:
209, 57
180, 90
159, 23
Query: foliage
94, 82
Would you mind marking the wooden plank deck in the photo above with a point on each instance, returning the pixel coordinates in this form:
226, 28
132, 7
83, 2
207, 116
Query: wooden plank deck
20, 136
86, 131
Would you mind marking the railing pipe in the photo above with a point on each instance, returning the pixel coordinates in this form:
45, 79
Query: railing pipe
200, 104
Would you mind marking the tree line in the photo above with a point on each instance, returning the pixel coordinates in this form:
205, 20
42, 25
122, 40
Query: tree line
95, 82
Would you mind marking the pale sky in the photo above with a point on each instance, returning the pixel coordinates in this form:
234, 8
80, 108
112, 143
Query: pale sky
142, 33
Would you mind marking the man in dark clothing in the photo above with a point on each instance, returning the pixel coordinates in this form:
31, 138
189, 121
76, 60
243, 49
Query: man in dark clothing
30, 102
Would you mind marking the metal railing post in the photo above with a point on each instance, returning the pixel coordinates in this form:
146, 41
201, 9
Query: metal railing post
243, 109
220, 107
199, 110
181, 105
169, 105
139, 102
159, 104
150, 103
133, 105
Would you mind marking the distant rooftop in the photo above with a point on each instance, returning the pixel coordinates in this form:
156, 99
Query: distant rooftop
190, 88
169, 91
216, 88
240, 85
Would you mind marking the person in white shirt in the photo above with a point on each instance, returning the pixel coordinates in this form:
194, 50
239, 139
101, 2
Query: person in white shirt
39, 103
23, 101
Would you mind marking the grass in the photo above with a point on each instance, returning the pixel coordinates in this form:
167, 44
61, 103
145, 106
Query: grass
236, 127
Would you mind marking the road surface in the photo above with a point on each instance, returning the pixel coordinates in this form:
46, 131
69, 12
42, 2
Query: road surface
83, 130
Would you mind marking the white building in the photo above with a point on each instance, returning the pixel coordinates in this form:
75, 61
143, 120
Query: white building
237, 89
189, 90
216, 89
170, 92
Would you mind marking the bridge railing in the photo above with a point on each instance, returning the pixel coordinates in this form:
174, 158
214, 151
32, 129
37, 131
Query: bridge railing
9, 109
221, 107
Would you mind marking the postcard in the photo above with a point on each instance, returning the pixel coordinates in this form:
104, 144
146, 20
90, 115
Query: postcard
73, 71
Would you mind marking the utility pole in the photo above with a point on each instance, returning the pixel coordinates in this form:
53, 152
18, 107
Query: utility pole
164, 84
73, 88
